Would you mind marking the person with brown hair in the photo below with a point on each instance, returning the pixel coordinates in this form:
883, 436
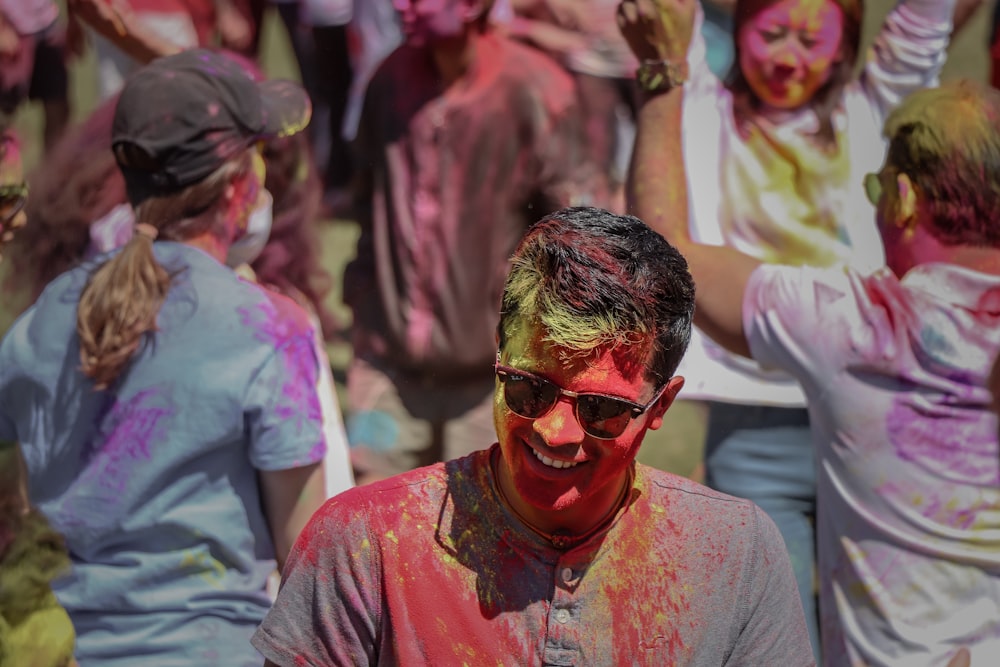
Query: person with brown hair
166, 408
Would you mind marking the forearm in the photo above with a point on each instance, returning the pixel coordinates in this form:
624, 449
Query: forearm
657, 193
908, 53
144, 45
290, 499
657, 181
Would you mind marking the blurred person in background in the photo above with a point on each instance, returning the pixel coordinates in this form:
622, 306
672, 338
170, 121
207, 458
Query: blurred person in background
166, 408
466, 138
32, 63
35, 630
80, 210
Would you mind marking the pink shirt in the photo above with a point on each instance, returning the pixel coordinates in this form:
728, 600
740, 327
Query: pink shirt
451, 182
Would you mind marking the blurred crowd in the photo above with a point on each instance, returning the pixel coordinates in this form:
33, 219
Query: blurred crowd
445, 129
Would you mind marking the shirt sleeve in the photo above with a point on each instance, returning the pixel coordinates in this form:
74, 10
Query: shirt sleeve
282, 406
793, 319
908, 53
774, 631
326, 612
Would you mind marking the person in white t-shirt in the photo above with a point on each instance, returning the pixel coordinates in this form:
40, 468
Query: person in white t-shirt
775, 155
893, 364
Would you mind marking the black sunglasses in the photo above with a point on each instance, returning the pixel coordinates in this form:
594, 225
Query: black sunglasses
602, 417
12, 200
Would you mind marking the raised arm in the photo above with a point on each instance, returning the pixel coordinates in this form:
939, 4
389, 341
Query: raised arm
908, 53
115, 21
660, 30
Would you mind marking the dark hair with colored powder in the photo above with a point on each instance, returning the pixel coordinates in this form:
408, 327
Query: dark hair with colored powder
594, 279
826, 99
947, 140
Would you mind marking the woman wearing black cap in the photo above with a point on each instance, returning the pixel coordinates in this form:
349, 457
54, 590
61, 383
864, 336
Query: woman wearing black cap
167, 409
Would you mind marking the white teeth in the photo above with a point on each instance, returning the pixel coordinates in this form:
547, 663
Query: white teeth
552, 463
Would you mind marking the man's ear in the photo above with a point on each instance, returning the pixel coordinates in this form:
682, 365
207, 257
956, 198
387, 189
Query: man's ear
906, 211
656, 412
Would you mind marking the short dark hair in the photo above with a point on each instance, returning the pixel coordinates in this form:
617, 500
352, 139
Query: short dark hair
595, 279
947, 140
826, 99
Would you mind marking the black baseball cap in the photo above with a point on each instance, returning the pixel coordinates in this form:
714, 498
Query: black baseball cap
183, 116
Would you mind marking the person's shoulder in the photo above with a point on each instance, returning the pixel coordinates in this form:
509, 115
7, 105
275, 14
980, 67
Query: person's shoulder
775, 284
526, 64
416, 493
221, 290
537, 63
287, 309
58, 300
687, 498
411, 491
704, 520
403, 58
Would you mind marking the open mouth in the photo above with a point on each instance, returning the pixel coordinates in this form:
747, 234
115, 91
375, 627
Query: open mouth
552, 463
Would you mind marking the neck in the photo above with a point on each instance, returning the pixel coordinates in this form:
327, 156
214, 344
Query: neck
563, 529
210, 244
983, 260
452, 58
922, 247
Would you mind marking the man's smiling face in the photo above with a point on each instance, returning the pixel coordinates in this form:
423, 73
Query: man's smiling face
554, 473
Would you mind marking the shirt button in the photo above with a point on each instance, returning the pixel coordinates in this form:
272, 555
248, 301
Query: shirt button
567, 574
562, 615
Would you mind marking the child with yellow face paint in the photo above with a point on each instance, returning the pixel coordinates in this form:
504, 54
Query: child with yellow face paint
776, 154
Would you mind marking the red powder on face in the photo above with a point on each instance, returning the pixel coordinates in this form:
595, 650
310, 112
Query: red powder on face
554, 473
788, 50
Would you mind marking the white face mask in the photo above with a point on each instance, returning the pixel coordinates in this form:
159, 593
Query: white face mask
248, 247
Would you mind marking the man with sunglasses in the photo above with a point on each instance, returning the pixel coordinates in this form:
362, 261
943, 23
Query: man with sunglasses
894, 366
552, 547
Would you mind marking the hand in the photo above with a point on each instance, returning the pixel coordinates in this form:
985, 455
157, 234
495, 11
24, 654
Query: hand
657, 29
107, 17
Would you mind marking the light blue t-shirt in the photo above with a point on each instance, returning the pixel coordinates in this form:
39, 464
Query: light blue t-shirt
153, 483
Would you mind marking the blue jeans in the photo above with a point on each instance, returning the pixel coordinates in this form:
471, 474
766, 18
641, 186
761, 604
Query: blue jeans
765, 454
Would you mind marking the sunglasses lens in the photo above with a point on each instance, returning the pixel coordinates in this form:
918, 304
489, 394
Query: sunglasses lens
527, 396
603, 417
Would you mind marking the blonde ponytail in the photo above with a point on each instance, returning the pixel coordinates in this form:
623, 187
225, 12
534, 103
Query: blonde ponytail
122, 298
118, 306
